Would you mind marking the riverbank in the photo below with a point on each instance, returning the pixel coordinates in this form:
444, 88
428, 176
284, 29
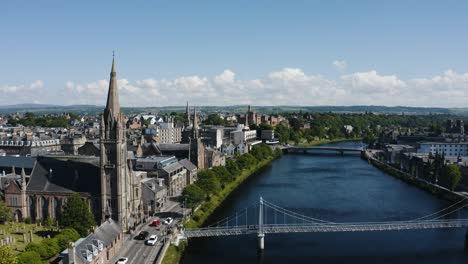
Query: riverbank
433, 189
199, 217
327, 141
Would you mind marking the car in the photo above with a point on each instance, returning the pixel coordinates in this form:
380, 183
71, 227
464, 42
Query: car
155, 223
152, 240
122, 261
168, 221
143, 235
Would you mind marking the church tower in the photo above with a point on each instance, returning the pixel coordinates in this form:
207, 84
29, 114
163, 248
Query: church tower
116, 180
197, 149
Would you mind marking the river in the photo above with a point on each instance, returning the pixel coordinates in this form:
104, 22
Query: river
335, 188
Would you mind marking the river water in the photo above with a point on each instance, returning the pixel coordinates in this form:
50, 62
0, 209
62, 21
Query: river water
335, 188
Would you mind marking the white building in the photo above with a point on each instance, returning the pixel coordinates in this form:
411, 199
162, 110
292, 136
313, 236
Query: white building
459, 149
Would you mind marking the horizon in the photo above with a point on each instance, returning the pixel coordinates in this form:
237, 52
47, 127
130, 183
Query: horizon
332, 53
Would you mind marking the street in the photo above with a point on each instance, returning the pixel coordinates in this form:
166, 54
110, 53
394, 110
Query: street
136, 250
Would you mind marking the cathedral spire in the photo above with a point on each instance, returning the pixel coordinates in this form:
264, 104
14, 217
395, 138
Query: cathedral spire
113, 105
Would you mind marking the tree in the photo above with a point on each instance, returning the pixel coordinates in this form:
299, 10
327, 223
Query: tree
223, 175
232, 167
46, 249
29, 257
67, 235
76, 214
7, 256
453, 175
208, 182
6, 214
192, 195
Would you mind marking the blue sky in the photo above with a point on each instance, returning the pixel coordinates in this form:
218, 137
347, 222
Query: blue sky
385, 48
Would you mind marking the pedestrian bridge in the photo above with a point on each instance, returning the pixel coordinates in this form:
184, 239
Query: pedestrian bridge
273, 219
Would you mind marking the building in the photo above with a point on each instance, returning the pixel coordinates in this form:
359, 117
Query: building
153, 195
197, 149
119, 199
448, 149
167, 133
29, 147
99, 247
191, 171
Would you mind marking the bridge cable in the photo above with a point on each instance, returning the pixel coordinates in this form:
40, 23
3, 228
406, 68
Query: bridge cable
420, 218
276, 207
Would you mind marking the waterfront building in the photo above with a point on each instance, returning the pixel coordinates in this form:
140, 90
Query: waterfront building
449, 149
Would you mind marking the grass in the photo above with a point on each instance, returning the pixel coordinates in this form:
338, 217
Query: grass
173, 255
10, 230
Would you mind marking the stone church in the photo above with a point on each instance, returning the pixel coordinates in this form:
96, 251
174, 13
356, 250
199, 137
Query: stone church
107, 182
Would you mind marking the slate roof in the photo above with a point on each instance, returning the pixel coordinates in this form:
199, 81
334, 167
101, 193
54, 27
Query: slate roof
187, 164
6, 163
172, 167
173, 147
106, 233
72, 175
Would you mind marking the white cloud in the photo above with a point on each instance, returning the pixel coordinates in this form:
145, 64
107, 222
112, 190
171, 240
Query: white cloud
288, 86
340, 65
20, 94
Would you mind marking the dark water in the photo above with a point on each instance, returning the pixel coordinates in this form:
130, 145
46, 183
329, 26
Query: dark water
341, 189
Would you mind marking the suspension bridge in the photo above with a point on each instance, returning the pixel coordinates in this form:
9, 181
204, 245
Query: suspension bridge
271, 218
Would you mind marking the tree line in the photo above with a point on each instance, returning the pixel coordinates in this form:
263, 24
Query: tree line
31, 120
305, 126
211, 181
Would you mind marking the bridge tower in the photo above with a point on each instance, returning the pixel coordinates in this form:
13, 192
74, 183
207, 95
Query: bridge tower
261, 233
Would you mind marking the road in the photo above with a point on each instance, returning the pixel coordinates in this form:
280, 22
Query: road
136, 250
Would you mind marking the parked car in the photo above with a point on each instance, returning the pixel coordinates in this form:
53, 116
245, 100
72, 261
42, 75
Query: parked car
122, 261
143, 235
156, 223
168, 221
152, 240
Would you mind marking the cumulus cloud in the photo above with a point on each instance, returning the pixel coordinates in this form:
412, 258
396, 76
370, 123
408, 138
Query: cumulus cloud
340, 65
287, 86
21, 93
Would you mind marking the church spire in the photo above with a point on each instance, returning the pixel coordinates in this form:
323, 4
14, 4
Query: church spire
187, 117
195, 124
113, 105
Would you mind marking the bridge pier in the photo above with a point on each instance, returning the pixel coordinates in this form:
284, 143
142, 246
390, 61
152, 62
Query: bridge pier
261, 242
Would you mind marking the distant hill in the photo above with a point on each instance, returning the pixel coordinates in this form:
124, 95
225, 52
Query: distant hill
93, 109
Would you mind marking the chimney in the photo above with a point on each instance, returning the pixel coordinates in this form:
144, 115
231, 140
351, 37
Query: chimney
71, 253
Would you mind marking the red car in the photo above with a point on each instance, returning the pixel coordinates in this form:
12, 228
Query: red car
155, 223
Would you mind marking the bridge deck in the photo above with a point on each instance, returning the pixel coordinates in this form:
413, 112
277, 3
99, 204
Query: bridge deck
316, 228
325, 148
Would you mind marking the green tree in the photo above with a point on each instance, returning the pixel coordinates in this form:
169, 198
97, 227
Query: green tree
453, 175
6, 214
208, 182
214, 119
192, 195
232, 167
7, 256
223, 174
77, 215
29, 257
67, 235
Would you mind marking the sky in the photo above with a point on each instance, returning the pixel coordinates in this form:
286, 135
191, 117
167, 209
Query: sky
259, 52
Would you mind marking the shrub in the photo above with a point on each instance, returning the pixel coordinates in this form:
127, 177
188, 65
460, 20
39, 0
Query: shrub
28, 220
29, 257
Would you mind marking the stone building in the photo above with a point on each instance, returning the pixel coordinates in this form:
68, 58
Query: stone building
119, 199
197, 149
99, 247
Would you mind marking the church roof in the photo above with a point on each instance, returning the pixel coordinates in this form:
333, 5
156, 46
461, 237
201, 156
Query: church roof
65, 175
